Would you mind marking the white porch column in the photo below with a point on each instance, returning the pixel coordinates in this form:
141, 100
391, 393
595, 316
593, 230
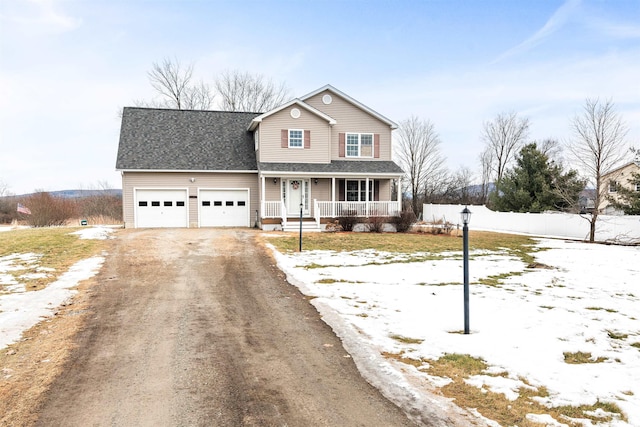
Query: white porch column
333, 197
399, 191
262, 196
366, 197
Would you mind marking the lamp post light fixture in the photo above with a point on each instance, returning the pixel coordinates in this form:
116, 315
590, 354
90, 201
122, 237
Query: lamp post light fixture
300, 243
465, 215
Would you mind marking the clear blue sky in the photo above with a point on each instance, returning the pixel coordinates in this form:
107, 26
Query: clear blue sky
68, 66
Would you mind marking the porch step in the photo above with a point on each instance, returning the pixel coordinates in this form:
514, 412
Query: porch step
306, 226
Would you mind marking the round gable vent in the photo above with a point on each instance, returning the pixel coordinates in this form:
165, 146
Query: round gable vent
326, 99
295, 113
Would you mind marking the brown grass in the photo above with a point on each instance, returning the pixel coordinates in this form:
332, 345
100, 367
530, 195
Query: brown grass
519, 246
496, 406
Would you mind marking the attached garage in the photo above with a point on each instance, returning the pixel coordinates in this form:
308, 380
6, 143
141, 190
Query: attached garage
159, 208
224, 208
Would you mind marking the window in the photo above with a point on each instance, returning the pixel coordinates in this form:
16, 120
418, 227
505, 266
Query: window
228, 203
295, 138
241, 203
168, 203
206, 203
155, 203
637, 186
613, 186
217, 203
359, 145
356, 191
143, 204
179, 203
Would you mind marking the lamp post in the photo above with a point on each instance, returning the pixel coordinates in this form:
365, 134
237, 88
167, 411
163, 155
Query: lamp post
300, 243
465, 215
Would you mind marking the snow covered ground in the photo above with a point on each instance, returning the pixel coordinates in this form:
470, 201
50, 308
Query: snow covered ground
589, 301
21, 309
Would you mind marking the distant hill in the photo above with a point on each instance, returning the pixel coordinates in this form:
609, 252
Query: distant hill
77, 194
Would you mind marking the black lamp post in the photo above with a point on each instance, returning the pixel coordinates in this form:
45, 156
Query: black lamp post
465, 215
300, 244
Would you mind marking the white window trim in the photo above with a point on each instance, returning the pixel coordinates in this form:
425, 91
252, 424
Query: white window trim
301, 138
361, 189
346, 145
613, 184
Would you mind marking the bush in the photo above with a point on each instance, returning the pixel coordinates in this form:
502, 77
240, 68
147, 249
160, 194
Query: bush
404, 222
375, 224
348, 220
47, 210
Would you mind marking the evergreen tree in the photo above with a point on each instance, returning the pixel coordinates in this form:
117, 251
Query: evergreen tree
628, 199
536, 184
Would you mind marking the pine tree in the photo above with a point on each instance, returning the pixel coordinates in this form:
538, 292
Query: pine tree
536, 184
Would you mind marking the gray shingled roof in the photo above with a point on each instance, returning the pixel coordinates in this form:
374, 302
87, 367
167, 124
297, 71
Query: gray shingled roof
335, 167
158, 139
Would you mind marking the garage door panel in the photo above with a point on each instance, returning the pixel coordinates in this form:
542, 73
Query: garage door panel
224, 208
161, 208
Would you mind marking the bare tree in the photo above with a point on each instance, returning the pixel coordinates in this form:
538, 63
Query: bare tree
173, 82
242, 91
551, 148
486, 161
503, 137
419, 156
597, 147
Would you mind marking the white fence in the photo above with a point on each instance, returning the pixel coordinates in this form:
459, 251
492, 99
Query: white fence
624, 229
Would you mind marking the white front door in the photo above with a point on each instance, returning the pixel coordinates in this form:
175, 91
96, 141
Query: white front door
297, 192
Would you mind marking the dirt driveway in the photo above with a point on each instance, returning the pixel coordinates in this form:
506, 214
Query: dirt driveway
197, 327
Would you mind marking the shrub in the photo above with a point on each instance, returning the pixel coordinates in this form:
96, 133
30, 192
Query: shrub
348, 220
47, 210
375, 224
404, 222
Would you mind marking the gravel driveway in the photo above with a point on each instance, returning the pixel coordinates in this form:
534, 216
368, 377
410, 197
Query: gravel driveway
195, 327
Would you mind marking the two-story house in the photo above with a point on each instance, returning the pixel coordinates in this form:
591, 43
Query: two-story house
323, 155
619, 177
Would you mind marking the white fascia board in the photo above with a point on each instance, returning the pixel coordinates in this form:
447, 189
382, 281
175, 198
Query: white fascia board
183, 171
273, 174
257, 120
374, 113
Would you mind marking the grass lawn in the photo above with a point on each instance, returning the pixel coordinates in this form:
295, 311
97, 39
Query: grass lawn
57, 248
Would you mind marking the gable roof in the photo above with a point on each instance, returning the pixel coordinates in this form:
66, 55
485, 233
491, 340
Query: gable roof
163, 139
347, 98
635, 162
257, 120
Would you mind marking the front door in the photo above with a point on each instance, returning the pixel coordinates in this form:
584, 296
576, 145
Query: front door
297, 192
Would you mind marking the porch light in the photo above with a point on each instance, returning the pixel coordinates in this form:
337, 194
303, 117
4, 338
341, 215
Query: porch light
275, 181
316, 181
465, 216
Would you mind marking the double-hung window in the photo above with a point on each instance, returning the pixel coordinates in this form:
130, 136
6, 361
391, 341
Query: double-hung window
613, 186
359, 145
356, 191
296, 138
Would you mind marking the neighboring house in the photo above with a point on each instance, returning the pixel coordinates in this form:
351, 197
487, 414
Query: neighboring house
324, 153
618, 178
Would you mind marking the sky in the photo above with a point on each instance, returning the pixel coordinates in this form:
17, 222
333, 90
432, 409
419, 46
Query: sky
67, 67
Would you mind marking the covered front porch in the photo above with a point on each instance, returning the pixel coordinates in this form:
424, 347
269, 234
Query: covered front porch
285, 199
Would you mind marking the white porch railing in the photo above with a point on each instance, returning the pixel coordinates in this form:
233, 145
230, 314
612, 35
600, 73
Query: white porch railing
272, 209
322, 209
364, 209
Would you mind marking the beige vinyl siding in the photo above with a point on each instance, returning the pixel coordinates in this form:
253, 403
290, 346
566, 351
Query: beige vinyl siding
352, 119
272, 191
270, 147
385, 189
182, 180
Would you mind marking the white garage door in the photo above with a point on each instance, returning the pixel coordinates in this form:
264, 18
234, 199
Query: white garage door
224, 208
161, 208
